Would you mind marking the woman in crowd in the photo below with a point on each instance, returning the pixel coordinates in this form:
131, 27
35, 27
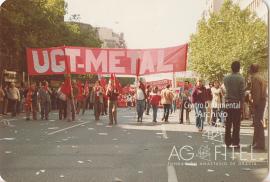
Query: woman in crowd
140, 101
31, 102
112, 94
62, 103
199, 100
154, 101
216, 102
98, 99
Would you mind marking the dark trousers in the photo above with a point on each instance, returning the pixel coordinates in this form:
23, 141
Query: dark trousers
259, 138
184, 107
167, 108
233, 120
62, 106
148, 106
13, 104
2, 107
31, 109
97, 110
155, 109
215, 115
45, 109
113, 112
86, 104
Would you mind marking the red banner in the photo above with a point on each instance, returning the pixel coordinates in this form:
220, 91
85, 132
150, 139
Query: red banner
80, 60
159, 83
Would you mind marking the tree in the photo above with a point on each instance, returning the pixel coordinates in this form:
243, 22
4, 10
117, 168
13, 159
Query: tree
227, 35
37, 24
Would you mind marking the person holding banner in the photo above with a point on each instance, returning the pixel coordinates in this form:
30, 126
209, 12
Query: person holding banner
112, 94
98, 99
140, 100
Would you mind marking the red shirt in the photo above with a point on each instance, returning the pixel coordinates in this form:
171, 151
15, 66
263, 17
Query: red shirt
155, 99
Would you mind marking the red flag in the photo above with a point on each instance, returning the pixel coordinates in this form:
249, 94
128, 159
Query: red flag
80, 90
86, 88
66, 87
118, 85
103, 82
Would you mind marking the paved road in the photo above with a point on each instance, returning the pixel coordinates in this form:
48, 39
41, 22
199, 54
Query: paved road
89, 151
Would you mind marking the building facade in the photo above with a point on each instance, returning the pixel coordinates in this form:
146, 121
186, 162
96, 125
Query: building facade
111, 39
212, 6
256, 6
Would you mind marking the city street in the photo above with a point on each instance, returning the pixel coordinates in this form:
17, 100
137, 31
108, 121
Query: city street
90, 151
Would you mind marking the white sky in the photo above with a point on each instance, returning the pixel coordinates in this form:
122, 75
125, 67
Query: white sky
145, 23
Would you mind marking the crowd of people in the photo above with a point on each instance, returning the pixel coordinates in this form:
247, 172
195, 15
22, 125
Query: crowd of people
216, 104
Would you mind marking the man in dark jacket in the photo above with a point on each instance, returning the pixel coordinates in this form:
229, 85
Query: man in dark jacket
234, 84
199, 99
258, 94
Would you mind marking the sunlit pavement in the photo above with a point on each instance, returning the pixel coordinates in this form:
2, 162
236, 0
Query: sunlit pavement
87, 150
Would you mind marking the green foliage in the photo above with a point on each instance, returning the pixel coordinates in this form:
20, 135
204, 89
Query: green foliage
126, 81
228, 35
37, 24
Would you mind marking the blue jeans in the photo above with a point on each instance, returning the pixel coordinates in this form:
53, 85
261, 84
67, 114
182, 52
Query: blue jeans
200, 115
140, 108
155, 109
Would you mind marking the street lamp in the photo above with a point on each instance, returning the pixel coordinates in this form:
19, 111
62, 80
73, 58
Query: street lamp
267, 3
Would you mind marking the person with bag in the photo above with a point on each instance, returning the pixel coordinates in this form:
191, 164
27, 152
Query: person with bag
154, 101
140, 101
166, 100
